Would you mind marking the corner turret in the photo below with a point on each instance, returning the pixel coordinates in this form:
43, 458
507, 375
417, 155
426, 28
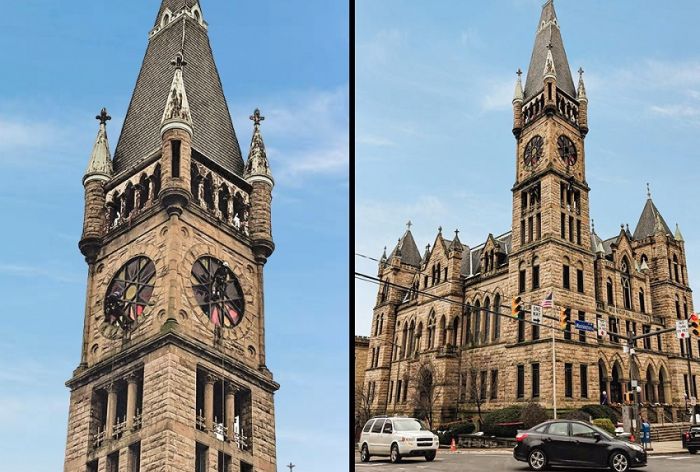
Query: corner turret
259, 176
518, 98
99, 171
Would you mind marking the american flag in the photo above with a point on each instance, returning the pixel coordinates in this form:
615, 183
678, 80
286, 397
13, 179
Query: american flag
548, 301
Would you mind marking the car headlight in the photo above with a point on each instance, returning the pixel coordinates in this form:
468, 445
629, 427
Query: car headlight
637, 447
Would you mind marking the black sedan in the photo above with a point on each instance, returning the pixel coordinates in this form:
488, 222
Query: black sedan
691, 439
576, 444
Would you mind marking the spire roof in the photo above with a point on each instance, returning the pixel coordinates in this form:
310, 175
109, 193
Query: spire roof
581, 91
518, 93
257, 164
548, 33
407, 250
100, 164
215, 137
649, 220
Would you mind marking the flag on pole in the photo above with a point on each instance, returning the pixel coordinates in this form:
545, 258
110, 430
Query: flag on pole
548, 301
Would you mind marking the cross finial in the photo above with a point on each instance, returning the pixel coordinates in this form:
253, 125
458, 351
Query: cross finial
519, 72
456, 232
580, 72
291, 466
409, 224
592, 225
257, 117
440, 229
103, 117
179, 62
648, 191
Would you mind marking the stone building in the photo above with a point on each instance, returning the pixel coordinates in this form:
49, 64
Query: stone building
436, 312
361, 348
176, 234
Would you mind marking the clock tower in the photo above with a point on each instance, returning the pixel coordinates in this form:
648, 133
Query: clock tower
551, 235
176, 234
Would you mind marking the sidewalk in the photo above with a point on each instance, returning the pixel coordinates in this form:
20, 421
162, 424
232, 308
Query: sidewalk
666, 447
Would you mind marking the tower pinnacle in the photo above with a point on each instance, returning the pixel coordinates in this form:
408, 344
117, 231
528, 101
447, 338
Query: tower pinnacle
100, 164
257, 166
177, 108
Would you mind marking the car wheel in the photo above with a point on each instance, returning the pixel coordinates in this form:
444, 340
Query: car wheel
692, 450
537, 459
430, 456
395, 457
619, 462
364, 453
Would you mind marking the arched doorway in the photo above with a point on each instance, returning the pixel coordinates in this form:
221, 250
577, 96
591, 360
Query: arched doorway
662, 385
615, 385
602, 380
649, 391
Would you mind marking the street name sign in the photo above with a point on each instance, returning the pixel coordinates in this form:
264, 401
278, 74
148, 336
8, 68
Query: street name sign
584, 325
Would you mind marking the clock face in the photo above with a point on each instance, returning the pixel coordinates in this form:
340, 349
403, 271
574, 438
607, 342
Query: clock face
533, 151
218, 292
567, 150
127, 296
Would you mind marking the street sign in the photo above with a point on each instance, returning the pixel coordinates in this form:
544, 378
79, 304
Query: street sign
536, 311
682, 329
602, 327
584, 325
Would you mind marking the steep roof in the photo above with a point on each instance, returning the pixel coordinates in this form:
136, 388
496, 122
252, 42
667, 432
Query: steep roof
214, 136
647, 221
548, 33
407, 250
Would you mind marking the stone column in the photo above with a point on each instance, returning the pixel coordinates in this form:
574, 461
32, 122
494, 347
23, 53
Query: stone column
111, 410
230, 409
607, 388
131, 392
209, 402
655, 390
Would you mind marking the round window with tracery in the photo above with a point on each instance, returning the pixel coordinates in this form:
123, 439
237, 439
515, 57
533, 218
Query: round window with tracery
128, 293
218, 292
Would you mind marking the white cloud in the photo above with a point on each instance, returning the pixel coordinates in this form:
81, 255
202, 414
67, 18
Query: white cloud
308, 135
676, 111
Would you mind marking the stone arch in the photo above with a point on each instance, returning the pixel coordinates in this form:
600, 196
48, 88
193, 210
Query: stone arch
617, 377
487, 319
664, 393
496, 318
432, 325
455, 331
650, 379
443, 331
476, 322
418, 337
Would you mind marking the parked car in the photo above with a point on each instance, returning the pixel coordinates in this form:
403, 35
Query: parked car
397, 437
691, 439
575, 444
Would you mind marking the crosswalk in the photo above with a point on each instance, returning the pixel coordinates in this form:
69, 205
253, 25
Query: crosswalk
671, 458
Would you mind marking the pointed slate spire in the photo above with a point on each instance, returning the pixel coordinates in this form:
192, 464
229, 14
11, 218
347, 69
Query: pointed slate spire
650, 221
407, 250
100, 164
548, 33
383, 258
177, 107
215, 138
257, 165
677, 235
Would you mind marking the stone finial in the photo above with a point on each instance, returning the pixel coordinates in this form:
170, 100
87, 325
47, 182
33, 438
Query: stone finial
592, 226
518, 95
581, 91
177, 108
549, 69
648, 192
257, 166
408, 225
678, 236
100, 163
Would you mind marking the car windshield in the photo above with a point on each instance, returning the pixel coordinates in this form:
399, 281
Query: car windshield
602, 432
408, 425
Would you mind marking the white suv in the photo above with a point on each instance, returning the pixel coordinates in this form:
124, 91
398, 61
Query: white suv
396, 437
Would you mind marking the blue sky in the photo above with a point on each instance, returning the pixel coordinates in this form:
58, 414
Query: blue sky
433, 117
69, 59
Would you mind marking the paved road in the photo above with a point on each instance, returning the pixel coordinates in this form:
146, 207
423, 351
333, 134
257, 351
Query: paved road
496, 462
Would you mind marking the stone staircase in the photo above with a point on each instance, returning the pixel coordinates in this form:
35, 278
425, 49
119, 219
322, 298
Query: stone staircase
668, 431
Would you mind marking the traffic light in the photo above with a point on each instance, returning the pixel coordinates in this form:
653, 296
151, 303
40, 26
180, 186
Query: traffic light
517, 308
564, 317
694, 324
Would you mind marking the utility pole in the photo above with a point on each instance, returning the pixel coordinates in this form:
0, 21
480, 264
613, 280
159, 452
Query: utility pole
635, 393
690, 382
554, 375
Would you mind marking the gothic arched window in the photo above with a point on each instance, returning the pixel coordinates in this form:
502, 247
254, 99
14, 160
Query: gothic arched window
675, 268
626, 286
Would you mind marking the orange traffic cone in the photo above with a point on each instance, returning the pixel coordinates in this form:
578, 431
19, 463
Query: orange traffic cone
453, 446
